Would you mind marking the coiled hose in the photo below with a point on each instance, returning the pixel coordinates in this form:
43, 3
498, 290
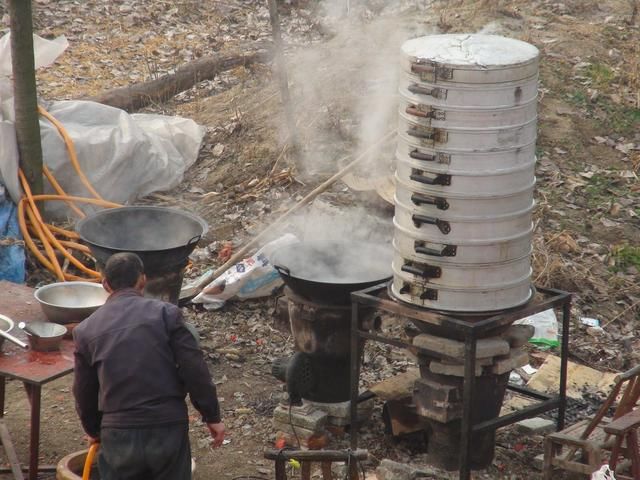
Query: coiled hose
56, 240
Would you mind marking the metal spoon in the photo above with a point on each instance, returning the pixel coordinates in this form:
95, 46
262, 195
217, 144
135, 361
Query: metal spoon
13, 339
27, 328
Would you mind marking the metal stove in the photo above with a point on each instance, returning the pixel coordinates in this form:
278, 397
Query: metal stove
460, 399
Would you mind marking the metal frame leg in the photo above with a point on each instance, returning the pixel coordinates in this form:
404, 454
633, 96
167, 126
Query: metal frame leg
564, 360
467, 399
355, 374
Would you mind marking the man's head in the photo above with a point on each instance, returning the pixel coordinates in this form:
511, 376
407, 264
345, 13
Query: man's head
123, 270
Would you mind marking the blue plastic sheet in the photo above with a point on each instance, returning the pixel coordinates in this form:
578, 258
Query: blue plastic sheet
12, 256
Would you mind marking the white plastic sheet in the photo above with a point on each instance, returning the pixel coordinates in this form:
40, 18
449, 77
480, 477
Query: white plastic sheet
124, 156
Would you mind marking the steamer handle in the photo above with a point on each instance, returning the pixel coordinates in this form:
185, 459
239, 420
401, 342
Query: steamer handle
416, 112
422, 156
422, 90
428, 271
439, 179
418, 220
440, 203
194, 239
284, 271
422, 68
447, 251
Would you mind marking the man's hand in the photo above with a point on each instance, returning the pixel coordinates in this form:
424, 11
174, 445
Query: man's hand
91, 440
217, 433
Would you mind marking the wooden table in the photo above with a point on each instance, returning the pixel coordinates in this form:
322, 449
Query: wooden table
34, 369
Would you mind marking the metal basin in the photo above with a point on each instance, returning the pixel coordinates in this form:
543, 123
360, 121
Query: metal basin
45, 336
70, 302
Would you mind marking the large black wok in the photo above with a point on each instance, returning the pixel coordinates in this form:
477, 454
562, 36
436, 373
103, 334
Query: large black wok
162, 237
329, 272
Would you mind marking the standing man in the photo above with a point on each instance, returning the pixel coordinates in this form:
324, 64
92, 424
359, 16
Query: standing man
135, 361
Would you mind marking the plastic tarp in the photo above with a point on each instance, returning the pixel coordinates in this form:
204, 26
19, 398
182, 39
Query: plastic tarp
12, 259
124, 156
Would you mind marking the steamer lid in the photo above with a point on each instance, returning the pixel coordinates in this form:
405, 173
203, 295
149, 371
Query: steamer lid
471, 50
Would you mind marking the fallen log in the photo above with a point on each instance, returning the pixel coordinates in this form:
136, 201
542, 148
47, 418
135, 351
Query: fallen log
160, 90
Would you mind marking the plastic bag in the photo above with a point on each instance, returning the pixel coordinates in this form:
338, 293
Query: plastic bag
605, 473
546, 327
253, 277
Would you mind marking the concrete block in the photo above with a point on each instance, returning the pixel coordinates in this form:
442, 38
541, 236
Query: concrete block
455, 370
536, 426
485, 347
516, 358
518, 335
339, 413
440, 401
309, 418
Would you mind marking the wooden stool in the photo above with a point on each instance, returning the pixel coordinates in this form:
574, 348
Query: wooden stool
324, 457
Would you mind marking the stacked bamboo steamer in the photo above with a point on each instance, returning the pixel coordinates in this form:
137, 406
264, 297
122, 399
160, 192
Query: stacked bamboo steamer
465, 173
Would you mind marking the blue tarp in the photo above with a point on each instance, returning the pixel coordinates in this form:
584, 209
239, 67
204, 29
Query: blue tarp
12, 257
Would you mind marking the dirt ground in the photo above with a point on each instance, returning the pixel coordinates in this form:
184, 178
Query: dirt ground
588, 194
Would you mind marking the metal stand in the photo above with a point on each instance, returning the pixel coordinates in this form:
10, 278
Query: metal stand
471, 331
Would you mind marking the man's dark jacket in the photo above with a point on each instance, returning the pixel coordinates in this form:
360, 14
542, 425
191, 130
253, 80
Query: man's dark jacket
134, 363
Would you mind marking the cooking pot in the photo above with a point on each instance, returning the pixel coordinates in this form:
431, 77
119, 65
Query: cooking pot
449, 229
329, 272
442, 159
162, 237
466, 251
465, 138
420, 177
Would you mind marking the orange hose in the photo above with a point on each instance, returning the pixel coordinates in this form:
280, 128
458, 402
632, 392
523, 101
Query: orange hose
55, 265
66, 233
58, 188
75, 246
46, 233
86, 471
71, 150
63, 198
36, 219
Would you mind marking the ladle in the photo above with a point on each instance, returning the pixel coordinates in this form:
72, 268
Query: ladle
27, 328
13, 339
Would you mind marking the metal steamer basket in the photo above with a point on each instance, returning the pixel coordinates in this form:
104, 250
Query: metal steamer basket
465, 173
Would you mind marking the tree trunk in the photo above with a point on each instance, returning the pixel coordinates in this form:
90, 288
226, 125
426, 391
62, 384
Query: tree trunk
137, 96
25, 94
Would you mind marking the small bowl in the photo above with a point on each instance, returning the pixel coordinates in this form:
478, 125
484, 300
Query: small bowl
70, 302
45, 336
6, 324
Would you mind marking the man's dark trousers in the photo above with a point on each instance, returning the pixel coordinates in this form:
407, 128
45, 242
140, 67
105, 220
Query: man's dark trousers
153, 453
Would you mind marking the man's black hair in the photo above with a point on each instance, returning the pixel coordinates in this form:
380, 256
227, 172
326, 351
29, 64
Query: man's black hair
122, 270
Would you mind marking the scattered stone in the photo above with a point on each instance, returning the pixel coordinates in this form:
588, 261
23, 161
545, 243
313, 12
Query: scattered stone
390, 470
536, 426
516, 358
538, 462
